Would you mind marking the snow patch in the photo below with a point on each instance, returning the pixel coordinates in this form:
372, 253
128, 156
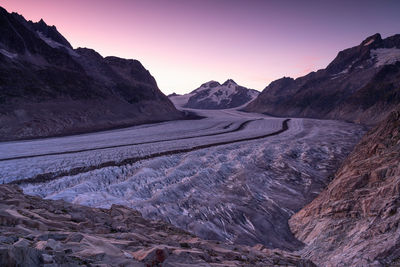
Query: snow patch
49, 41
346, 70
222, 93
385, 56
215, 94
253, 94
8, 54
204, 86
55, 44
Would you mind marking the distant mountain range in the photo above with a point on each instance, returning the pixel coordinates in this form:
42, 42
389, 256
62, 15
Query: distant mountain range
48, 88
213, 95
362, 84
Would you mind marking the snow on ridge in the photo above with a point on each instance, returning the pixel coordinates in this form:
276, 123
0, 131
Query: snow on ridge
8, 54
49, 41
55, 44
230, 83
216, 93
225, 91
346, 70
205, 86
221, 92
253, 93
385, 56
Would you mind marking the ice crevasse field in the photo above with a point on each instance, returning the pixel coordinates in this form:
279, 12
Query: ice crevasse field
232, 176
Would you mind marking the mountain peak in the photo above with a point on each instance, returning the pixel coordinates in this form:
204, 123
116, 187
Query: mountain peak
211, 84
49, 32
42, 24
213, 95
229, 81
371, 39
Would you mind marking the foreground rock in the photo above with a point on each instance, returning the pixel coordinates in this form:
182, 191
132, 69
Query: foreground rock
213, 95
34, 232
48, 88
362, 84
355, 221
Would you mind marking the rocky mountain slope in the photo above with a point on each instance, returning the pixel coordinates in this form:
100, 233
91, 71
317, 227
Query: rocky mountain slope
36, 232
355, 221
213, 95
48, 88
362, 84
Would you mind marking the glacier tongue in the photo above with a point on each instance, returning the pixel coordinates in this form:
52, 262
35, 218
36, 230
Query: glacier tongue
242, 192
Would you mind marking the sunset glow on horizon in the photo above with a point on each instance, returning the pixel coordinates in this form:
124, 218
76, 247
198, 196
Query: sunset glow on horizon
186, 43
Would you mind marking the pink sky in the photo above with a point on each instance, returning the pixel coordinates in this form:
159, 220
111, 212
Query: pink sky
185, 43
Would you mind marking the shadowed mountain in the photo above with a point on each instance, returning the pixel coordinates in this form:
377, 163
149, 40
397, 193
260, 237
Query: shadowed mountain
47, 88
362, 84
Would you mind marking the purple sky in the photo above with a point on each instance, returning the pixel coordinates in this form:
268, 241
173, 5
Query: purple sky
184, 43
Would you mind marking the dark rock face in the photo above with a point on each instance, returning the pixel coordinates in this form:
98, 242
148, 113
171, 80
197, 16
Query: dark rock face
49, 31
355, 221
36, 232
47, 88
362, 84
213, 95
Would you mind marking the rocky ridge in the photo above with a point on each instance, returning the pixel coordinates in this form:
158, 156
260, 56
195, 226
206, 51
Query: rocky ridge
48, 88
355, 221
362, 84
37, 232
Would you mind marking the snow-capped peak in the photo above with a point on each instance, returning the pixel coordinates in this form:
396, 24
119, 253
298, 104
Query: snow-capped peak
229, 83
213, 95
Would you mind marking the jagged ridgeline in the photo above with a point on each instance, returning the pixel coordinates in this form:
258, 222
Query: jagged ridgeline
48, 88
362, 84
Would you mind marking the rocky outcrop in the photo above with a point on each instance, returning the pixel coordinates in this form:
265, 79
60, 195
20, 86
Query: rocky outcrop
35, 232
48, 88
355, 221
362, 84
213, 95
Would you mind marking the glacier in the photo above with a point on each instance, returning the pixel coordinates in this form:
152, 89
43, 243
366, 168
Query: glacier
240, 192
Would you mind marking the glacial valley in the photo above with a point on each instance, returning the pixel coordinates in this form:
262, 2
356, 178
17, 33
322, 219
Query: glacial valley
232, 176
